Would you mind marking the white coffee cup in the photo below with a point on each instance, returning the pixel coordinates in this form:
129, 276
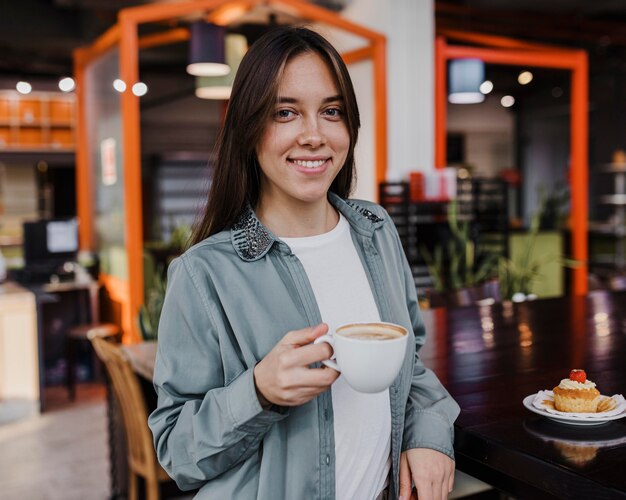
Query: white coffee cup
368, 355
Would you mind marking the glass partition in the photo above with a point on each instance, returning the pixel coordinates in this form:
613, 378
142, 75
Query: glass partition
103, 112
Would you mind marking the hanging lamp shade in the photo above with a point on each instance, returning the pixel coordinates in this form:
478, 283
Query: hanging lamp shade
465, 77
206, 50
219, 87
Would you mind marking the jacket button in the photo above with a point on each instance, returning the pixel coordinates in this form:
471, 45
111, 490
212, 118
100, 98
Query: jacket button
326, 414
327, 459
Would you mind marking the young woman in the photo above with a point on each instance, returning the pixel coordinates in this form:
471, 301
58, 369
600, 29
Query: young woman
245, 409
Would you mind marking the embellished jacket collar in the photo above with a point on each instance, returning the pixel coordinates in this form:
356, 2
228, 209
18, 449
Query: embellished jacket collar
252, 240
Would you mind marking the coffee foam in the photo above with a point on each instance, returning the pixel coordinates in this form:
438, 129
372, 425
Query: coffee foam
359, 335
371, 330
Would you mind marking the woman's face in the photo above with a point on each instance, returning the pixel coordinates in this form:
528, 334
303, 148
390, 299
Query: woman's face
306, 141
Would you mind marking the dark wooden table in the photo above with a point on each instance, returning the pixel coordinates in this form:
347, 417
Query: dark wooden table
59, 306
490, 357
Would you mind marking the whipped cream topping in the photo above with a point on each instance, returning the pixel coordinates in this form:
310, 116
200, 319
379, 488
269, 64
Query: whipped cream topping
567, 383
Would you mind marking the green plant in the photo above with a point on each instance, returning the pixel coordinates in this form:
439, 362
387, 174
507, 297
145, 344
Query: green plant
181, 237
520, 274
155, 278
435, 264
150, 311
554, 207
466, 264
178, 241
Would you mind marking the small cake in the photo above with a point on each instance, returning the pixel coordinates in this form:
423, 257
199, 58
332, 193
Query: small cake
576, 394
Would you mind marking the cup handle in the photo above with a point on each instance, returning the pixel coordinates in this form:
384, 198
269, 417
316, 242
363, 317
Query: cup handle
331, 363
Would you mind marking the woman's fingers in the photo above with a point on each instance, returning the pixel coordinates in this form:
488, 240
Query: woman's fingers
405, 478
432, 472
445, 489
298, 395
309, 354
283, 376
318, 377
425, 490
305, 335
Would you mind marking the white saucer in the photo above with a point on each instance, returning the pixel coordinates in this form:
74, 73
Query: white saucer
570, 420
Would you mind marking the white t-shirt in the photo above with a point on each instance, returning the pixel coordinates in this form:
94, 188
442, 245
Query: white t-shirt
362, 422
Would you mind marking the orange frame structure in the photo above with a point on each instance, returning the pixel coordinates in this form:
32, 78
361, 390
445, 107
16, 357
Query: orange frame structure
125, 33
501, 50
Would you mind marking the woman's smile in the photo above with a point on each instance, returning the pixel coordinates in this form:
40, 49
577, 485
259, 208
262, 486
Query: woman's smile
310, 165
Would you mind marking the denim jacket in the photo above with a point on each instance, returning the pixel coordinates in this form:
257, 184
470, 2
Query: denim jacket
229, 300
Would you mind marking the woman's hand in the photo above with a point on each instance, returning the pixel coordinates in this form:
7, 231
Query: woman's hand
284, 378
431, 471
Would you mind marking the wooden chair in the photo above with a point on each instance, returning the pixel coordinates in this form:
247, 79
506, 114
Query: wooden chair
77, 335
142, 460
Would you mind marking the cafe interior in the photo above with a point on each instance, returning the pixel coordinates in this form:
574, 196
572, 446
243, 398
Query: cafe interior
493, 133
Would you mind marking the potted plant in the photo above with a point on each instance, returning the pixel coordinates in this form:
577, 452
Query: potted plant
155, 278
518, 274
150, 310
459, 267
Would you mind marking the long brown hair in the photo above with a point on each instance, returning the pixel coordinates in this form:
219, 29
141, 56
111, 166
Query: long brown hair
236, 180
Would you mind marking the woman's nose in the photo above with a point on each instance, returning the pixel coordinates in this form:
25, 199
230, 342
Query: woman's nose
311, 134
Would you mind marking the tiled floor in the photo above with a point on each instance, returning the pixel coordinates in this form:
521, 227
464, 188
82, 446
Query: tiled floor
59, 455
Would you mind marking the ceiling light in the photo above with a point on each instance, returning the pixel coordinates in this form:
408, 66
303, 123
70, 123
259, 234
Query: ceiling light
67, 84
486, 87
525, 77
24, 87
465, 77
208, 90
140, 89
206, 50
219, 87
507, 101
119, 85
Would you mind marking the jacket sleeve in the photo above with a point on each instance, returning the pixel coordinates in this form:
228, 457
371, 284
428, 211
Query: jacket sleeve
430, 410
203, 425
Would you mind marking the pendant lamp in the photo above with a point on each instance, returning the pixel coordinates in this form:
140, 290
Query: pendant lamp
219, 87
206, 50
465, 77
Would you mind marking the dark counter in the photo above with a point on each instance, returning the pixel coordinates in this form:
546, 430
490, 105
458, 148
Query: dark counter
491, 357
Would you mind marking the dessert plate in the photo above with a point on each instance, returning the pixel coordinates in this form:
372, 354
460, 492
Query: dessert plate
539, 403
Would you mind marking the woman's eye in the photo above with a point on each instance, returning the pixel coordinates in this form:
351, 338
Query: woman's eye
284, 114
333, 112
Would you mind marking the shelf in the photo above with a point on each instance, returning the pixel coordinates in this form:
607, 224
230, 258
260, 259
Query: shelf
613, 168
58, 123
603, 259
606, 228
613, 199
614, 228
439, 219
49, 148
38, 122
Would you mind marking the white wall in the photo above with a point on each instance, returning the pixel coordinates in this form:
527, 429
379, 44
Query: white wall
409, 28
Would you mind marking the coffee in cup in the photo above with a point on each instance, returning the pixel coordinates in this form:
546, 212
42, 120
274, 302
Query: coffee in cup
369, 355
